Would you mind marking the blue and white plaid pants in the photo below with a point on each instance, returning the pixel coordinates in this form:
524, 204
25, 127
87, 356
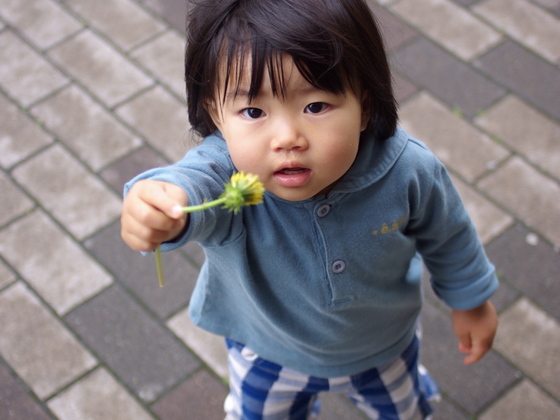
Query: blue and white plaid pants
262, 390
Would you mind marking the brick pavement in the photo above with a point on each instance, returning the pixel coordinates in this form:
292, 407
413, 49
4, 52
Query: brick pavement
91, 93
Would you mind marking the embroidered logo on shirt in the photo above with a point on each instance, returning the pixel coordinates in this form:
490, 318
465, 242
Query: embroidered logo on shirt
385, 228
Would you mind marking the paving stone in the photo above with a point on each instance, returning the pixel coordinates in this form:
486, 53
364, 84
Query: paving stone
76, 199
24, 74
19, 135
393, 30
55, 266
530, 338
457, 143
508, 65
530, 265
403, 88
162, 119
36, 345
532, 197
103, 71
164, 57
447, 24
552, 5
173, 11
15, 402
138, 272
43, 22
488, 219
141, 352
526, 130
6, 276
466, 3
14, 202
123, 21
131, 165
525, 22
98, 396
85, 127
209, 347
524, 402
445, 76
470, 387
200, 397
337, 407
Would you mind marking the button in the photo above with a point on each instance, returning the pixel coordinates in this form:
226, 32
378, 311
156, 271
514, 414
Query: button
323, 210
338, 266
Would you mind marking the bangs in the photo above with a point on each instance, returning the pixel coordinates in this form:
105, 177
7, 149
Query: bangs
250, 53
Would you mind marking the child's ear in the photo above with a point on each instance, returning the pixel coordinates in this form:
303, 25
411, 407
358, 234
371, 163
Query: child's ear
366, 112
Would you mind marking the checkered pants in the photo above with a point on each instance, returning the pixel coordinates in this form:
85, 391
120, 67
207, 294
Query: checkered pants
262, 390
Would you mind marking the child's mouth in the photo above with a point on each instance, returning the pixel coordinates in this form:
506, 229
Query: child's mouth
292, 177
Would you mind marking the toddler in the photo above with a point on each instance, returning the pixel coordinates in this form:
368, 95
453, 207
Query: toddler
319, 287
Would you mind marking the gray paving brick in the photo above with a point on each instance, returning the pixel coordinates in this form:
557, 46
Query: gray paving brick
488, 219
525, 22
162, 119
43, 22
394, 31
447, 24
7, 276
55, 266
486, 379
525, 401
552, 5
200, 397
457, 143
164, 57
85, 127
173, 11
24, 74
532, 78
336, 407
36, 345
131, 165
454, 82
530, 265
526, 130
103, 71
534, 199
14, 202
77, 200
139, 272
19, 135
15, 402
530, 338
123, 21
142, 353
98, 396
209, 347
403, 88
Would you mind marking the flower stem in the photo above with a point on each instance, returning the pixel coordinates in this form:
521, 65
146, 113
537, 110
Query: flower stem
159, 267
204, 206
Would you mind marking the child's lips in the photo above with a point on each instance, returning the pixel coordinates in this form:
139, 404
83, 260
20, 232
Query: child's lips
292, 176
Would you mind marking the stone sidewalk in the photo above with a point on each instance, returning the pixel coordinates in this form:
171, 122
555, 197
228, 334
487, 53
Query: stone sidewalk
91, 93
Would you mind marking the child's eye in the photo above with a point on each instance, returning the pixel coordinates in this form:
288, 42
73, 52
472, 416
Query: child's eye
252, 113
316, 107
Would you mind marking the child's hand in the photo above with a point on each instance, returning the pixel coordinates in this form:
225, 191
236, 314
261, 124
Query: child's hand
151, 214
475, 330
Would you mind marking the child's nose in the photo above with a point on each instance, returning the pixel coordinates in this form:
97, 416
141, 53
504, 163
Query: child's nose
287, 135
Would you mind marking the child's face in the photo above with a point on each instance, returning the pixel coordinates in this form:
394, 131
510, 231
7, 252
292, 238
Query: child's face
299, 145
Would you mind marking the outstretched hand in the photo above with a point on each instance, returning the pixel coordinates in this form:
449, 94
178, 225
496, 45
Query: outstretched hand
475, 329
151, 214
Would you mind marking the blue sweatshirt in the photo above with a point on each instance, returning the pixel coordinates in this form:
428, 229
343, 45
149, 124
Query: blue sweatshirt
331, 286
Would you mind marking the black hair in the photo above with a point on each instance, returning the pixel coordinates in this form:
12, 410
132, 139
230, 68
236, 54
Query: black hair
335, 44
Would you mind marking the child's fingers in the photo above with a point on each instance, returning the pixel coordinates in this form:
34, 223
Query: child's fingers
165, 197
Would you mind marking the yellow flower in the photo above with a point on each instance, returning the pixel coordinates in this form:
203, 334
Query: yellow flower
242, 190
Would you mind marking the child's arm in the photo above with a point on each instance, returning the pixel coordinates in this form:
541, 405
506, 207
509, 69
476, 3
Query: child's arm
475, 329
151, 214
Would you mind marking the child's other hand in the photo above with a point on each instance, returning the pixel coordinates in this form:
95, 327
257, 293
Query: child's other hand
475, 330
151, 214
